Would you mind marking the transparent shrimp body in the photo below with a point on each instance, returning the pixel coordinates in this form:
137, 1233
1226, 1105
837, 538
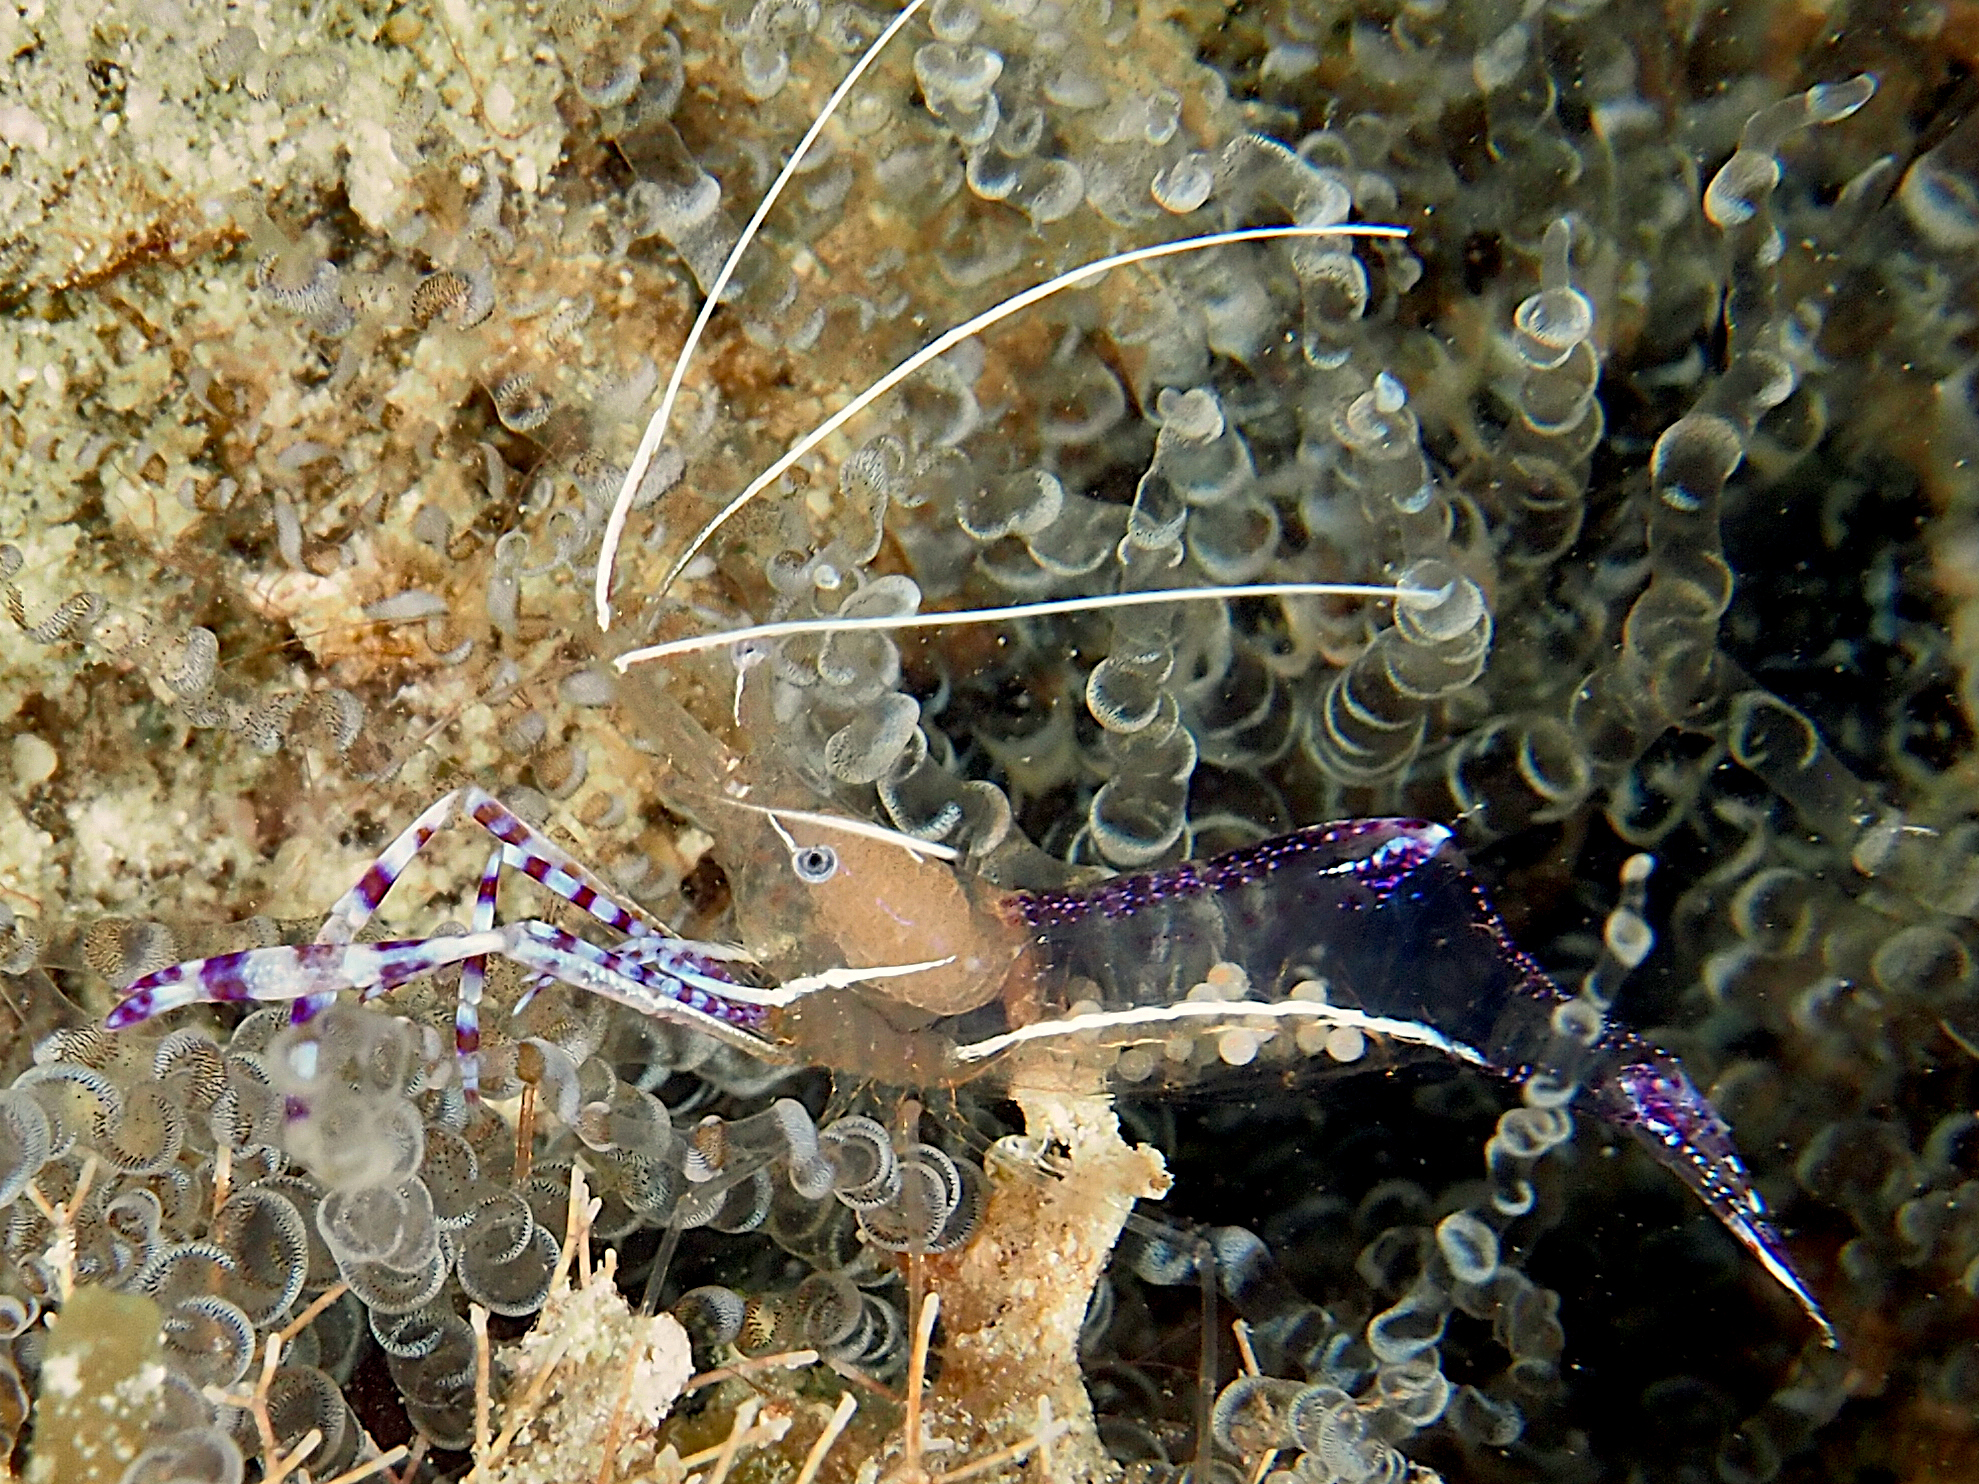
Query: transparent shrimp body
1365, 928
1371, 928
1374, 920
1320, 941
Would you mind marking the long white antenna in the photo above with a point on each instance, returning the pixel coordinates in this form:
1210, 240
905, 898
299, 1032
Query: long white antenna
656, 428
699, 643
942, 344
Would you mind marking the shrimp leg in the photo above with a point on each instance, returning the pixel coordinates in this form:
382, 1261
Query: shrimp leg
308, 971
651, 971
656, 974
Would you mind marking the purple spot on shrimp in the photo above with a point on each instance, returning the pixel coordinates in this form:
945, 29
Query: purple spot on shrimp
307, 1007
749, 1017
1395, 860
371, 888
222, 979
169, 975
294, 1109
133, 1009
1408, 844
1661, 1101
713, 968
498, 822
733, 1012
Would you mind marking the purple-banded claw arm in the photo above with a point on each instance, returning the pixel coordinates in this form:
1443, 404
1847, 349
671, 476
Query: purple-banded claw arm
295, 971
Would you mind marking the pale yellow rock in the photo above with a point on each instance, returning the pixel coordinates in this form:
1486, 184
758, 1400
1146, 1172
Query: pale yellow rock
22, 129
34, 760
1013, 1299
101, 1386
601, 1352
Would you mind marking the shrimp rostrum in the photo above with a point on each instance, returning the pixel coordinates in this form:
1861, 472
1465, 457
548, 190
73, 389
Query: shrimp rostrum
918, 971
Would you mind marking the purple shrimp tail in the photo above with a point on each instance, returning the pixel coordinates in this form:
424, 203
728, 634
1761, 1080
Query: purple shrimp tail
1650, 1094
1388, 914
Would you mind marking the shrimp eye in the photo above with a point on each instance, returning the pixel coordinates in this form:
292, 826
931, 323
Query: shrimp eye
815, 864
748, 654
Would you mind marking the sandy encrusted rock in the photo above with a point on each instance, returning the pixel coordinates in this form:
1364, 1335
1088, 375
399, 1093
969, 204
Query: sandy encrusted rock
606, 1365
1014, 1298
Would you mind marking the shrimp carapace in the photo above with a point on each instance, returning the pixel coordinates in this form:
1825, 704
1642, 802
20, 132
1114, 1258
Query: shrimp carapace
812, 889
843, 899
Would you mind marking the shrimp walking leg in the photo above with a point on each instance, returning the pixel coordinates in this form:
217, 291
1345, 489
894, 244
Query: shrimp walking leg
658, 975
473, 975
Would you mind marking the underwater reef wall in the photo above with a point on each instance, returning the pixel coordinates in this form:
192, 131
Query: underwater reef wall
328, 333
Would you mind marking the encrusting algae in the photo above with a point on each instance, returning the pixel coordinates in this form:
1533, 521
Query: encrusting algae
102, 1389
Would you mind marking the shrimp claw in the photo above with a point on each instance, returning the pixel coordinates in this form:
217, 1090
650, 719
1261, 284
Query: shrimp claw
651, 971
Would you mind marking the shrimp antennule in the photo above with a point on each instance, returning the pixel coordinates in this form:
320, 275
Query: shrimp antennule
865, 829
995, 315
1090, 603
656, 429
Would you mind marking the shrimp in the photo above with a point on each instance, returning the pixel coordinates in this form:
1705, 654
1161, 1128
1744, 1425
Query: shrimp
1368, 927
